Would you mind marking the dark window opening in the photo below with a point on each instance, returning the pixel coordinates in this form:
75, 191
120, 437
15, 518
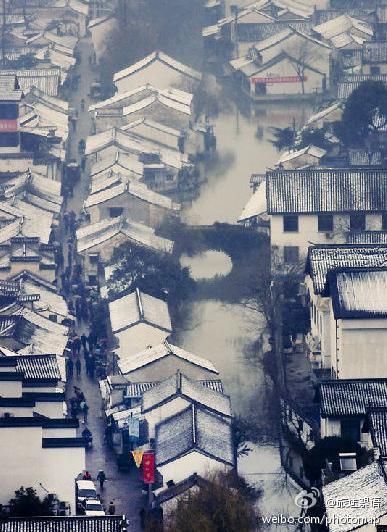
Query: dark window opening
291, 254
350, 429
357, 221
325, 223
114, 212
290, 223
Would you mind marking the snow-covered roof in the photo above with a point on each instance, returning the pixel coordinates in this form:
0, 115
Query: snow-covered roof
164, 350
130, 143
122, 99
256, 204
96, 234
367, 484
159, 57
133, 188
138, 307
179, 385
359, 293
150, 100
313, 151
194, 429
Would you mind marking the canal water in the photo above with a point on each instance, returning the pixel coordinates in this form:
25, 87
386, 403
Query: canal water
226, 333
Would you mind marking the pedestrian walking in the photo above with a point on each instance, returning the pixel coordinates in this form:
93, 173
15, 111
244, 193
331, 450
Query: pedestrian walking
112, 508
101, 477
84, 341
78, 366
85, 410
86, 476
83, 104
77, 345
91, 340
70, 368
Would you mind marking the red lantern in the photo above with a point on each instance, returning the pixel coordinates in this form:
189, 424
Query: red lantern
148, 467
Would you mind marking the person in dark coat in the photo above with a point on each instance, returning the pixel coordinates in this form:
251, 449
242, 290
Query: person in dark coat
84, 341
70, 368
112, 508
77, 345
78, 366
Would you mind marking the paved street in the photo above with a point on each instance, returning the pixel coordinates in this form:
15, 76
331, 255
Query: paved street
121, 487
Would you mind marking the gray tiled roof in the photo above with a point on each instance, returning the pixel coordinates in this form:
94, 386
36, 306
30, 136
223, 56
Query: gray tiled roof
326, 190
359, 294
111, 523
194, 429
180, 385
378, 428
367, 237
352, 397
38, 366
346, 86
375, 52
9, 88
365, 484
323, 259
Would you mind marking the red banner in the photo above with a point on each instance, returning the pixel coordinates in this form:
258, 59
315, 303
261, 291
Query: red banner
148, 467
285, 79
7, 126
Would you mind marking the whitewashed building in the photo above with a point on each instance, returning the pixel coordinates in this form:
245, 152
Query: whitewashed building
162, 361
175, 394
338, 330
138, 320
193, 441
158, 68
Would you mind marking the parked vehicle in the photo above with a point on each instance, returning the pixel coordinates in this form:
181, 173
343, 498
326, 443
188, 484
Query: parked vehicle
94, 507
84, 490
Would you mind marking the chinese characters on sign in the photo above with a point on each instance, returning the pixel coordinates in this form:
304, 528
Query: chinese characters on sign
7, 126
148, 464
279, 79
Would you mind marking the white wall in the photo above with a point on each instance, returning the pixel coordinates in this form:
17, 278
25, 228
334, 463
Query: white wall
59, 468
24, 462
309, 234
185, 466
50, 409
11, 389
17, 411
362, 348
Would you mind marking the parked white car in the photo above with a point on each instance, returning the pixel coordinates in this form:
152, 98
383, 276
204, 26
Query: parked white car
94, 507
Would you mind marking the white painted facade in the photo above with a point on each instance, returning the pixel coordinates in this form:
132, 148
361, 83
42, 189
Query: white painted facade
308, 233
350, 348
185, 466
25, 463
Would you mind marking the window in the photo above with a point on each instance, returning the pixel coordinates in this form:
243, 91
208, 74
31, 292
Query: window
114, 212
357, 221
325, 223
350, 429
93, 259
375, 71
347, 461
93, 280
384, 222
291, 254
290, 223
